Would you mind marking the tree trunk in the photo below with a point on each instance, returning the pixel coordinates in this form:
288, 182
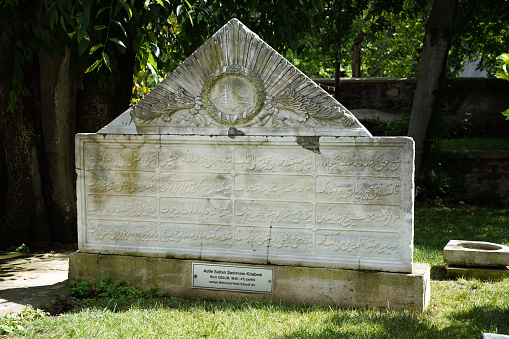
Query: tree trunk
6, 72
58, 111
97, 107
356, 57
437, 39
38, 138
25, 218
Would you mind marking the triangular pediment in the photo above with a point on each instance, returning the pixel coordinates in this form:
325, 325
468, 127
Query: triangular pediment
237, 82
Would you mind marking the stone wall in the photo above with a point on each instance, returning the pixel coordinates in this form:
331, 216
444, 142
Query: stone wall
482, 98
488, 183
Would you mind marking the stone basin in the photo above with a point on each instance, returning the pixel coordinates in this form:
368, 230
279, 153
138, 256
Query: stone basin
476, 254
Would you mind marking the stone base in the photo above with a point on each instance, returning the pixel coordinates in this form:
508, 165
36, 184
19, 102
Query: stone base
464, 253
483, 273
309, 286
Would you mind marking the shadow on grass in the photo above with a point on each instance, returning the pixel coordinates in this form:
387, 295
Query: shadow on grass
372, 324
346, 323
438, 272
490, 318
369, 325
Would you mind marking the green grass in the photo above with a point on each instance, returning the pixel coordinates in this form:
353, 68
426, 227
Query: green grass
434, 227
476, 144
459, 308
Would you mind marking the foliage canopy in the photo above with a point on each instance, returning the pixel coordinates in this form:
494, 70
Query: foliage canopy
313, 34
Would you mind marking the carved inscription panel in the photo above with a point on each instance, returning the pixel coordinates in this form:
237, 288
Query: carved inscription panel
345, 202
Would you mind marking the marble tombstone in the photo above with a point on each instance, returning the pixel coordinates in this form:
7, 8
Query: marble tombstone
239, 157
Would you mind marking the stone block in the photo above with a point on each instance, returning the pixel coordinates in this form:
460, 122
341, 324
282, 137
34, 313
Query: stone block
303, 285
262, 200
483, 273
494, 336
476, 254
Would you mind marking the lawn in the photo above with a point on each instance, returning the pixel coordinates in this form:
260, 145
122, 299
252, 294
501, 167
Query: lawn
476, 144
459, 308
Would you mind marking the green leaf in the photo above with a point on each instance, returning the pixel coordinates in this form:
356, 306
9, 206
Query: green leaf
96, 64
118, 7
54, 18
503, 76
121, 27
95, 48
118, 41
506, 114
13, 98
152, 61
83, 34
160, 2
128, 10
152, 70
155, 49
102, 80
83, 20
152, 36
140, 76
82, 46
99, 27
86, 4
62, 22
101, 10
106, 59
180, 9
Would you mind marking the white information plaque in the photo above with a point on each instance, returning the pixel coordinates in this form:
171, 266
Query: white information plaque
233, 278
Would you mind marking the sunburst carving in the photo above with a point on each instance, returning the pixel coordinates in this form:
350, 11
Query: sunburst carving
236, 79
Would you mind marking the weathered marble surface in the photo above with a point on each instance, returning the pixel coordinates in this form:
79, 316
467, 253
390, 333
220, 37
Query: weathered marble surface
239, 157
320, 202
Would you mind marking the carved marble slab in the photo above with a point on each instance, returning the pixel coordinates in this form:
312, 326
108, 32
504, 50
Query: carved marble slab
239, 157
237, 84
314, 201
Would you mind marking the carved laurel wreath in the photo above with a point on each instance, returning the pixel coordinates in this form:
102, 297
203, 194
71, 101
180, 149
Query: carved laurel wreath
226, 118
